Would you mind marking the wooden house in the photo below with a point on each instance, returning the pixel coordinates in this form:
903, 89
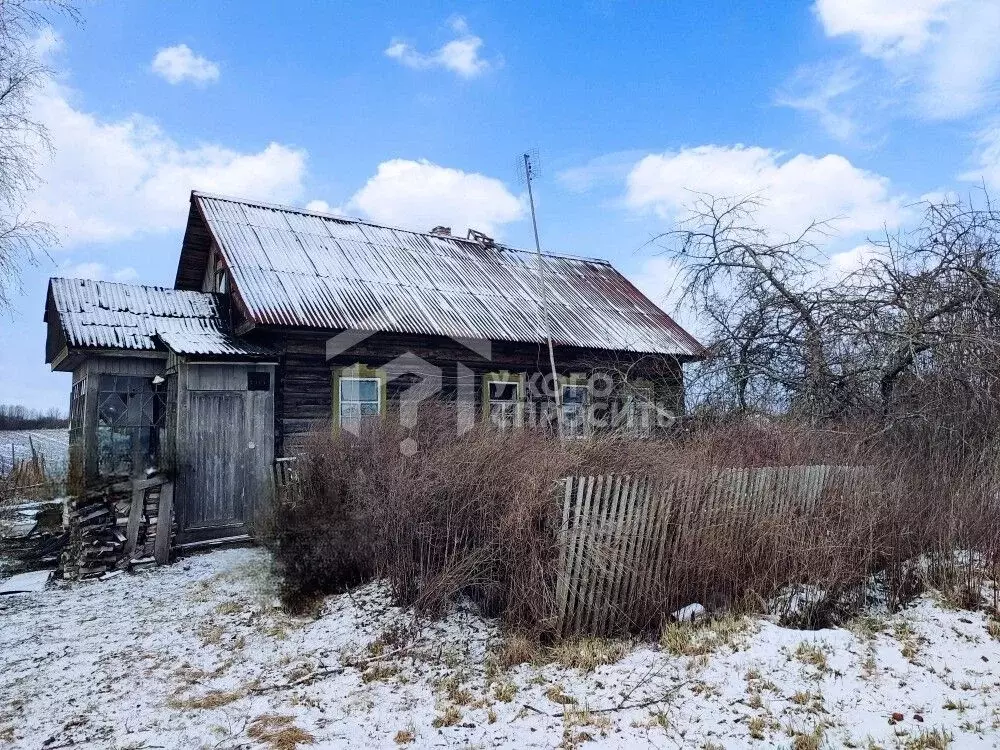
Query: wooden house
283, 319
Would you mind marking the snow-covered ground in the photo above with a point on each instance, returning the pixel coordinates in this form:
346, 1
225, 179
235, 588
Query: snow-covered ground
53, 444
197, 655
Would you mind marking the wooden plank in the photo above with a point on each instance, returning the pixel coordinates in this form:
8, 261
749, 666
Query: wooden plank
620, 561
595, 558
164, 524
660, 540
562, 582
638, 588
134, 515
634, 541
578, 552
572, 542
609, 546
584, 598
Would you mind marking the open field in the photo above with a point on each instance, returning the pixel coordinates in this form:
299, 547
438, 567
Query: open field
52, 444
198, 655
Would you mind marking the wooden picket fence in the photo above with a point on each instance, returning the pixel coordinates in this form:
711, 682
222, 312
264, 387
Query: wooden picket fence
620, 534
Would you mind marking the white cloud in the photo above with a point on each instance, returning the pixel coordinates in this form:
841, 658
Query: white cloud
606, 168
111, 180
320, 206
943, 50
823, 91
795, 191
94, 270
987, 169
851, 260
460, 55
421, 195
884, 28
179, 63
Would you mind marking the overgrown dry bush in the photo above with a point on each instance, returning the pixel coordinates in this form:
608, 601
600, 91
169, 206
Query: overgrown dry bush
907, 503
914, 502
469, 513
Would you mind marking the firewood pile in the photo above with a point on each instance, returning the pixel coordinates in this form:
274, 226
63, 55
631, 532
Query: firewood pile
106, 532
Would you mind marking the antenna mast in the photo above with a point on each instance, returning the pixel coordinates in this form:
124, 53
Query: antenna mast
543, 310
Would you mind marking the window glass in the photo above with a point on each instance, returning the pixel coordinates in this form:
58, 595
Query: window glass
131, 411
639, 411
574, 406
503, 403
359, 399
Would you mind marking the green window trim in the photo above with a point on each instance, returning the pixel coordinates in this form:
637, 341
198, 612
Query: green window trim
575, 380
503, 376
357, 371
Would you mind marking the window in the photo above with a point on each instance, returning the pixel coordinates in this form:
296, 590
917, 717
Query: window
575, 399
639, 409
258, 381
503, 403
131, 411
360, 398
77, 399
221, 278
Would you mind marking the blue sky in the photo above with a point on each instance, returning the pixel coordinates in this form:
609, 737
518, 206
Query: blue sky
414, 114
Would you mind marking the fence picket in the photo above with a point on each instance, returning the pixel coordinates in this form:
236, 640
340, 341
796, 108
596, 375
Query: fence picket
602, 555
579, 548
622, 537
590, 562
562, 584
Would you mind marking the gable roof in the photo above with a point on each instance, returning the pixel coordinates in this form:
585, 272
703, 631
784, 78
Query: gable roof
292, 267
108, 315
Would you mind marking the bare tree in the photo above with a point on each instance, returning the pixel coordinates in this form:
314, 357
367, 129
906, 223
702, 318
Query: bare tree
762, 302
927, 302
23, 140
923, 308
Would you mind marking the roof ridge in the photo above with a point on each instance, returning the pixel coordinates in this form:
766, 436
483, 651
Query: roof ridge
358, 220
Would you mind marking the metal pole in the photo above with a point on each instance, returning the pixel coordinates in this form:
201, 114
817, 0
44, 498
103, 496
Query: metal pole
543, 310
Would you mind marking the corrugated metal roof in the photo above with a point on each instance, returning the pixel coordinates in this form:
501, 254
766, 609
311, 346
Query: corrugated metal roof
299, 268
109, 315
210, 342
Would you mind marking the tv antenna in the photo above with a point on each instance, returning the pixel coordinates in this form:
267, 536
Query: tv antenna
529, 167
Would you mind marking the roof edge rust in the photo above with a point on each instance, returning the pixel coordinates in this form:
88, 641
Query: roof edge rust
292, 267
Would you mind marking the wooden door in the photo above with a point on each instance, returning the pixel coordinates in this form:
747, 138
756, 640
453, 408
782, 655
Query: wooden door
215, 495
224, 448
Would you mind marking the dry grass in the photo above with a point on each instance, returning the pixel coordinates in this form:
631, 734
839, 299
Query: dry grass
993, 628
476, 515
449, 717
211, 699
812, 740
504, 691
29, 479
405, 736
813, 654
706, 636
929, 739
585, 653
279, 732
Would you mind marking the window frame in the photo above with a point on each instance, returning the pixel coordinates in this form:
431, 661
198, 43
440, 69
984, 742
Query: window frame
514, 402
573, 383
358, 379
503, 377
639, 425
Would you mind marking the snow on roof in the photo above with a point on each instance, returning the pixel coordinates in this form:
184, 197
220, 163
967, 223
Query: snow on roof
110, 315
292, 267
